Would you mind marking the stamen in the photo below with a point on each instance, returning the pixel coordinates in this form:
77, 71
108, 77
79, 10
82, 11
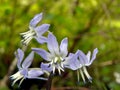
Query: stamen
53, 69
20, 82
78, 75
59, 71
41, 78
25, 32
87, 74
56, 59
61, 59
57, 63
16, 79
61, 68
81, 72
27, 36
28, 40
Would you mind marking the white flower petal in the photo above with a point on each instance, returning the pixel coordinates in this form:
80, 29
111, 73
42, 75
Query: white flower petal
44, 54
72, 62
52, 44
82, 57
46, 67
27, 62
41, 39
34, 73
88, 56
41, 29
36, 19
63, 47
93, 55
19, 55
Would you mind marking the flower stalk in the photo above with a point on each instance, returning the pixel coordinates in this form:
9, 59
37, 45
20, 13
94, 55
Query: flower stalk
49, 82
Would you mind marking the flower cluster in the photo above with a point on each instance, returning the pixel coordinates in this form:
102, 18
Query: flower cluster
57, 57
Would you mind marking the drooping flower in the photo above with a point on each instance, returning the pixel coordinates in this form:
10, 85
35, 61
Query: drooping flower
23, 68
81, 61
35, 31
56, 57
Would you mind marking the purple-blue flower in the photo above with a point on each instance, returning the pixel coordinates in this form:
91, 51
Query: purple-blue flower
23, 68
35, 31
56, 57
81, 61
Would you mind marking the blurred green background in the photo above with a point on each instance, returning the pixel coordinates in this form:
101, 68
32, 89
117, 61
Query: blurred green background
87, 24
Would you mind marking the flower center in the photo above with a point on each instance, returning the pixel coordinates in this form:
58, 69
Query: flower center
17, 76
57, 63
27, 36
57, 60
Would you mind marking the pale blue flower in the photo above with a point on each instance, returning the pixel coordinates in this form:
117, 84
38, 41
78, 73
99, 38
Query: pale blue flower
23, 68
56, 57
35, 31
85, 60
81, 61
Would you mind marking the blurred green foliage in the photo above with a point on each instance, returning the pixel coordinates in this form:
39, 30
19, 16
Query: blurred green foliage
87, 24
